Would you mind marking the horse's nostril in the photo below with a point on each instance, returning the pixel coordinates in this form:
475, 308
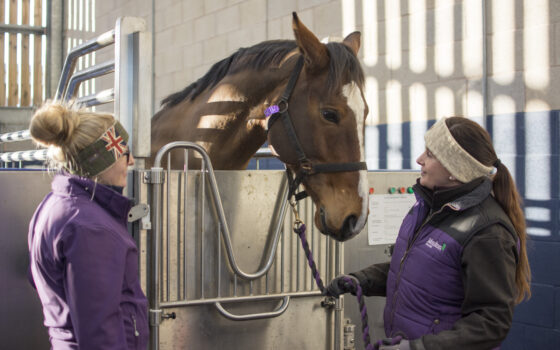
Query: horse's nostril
349, 223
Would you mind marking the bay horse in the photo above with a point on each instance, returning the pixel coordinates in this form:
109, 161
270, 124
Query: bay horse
316, 90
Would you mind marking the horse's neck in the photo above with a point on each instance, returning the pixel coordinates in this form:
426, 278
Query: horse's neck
247, 101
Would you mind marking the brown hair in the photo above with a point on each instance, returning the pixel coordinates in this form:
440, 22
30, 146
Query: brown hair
67, 130
476, 141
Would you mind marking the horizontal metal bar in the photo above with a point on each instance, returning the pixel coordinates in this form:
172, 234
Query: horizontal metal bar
21, 156
86, 74
172, 304
255, 316
99, 98
23, 29
101, 41
15, 136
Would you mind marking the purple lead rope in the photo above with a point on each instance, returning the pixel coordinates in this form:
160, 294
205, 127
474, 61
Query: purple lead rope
300, 231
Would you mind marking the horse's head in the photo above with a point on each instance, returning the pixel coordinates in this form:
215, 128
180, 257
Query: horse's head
327, 110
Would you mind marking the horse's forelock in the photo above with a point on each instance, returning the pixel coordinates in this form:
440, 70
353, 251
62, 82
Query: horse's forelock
344, 66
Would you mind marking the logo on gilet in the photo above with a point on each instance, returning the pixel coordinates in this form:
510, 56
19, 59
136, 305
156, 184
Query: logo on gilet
431, 243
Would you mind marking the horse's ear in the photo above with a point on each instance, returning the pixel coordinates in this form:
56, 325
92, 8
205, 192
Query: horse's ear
353, 41
314, 52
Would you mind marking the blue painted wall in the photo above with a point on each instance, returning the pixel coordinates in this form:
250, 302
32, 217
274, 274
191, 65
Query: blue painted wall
529, 145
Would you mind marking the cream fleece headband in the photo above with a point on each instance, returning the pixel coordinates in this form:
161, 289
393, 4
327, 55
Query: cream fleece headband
452, 156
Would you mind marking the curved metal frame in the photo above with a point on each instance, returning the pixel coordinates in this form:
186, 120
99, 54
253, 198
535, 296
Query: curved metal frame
279, 311
156, 179
217, 201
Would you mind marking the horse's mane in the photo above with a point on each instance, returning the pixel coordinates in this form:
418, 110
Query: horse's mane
344, 66
258, 56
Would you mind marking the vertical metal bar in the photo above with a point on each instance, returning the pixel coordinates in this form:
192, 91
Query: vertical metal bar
2, 61
484, 66
339, 308
178, 235
203, 228
282, 261
167, 225
298, 252
156, 186
309, 208
218, 235
185, 216
54, 52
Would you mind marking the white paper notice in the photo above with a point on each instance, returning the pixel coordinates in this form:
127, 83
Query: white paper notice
386, 212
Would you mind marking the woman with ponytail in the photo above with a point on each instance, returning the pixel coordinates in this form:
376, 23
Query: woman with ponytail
83, 261
459, 264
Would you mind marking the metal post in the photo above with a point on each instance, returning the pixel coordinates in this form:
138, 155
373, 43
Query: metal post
339, 302
55, 19
133, 83
155, 178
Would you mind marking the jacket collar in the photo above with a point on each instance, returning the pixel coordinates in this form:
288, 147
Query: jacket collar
459, 198
73, 185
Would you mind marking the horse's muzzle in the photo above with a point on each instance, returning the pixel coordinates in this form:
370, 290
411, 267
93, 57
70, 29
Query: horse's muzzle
344, 233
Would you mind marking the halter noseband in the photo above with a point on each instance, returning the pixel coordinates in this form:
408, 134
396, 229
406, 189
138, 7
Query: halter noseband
306, 167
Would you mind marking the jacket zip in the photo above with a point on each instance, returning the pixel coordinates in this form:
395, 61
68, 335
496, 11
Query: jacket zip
410, 244
136, 333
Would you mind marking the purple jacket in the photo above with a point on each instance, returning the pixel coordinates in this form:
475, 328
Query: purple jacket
84, 265
451, 280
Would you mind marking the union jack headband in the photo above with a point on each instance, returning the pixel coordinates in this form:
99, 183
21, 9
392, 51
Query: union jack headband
104, 151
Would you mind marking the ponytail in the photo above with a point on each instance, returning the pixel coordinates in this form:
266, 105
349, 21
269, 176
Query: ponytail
506, 194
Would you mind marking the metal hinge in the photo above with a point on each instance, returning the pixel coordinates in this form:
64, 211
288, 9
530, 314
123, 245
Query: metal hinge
140, 211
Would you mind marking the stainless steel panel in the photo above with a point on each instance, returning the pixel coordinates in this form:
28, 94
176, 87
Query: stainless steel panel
21, 321
196, 272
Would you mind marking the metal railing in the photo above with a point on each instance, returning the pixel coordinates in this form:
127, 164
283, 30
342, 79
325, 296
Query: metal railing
131, 66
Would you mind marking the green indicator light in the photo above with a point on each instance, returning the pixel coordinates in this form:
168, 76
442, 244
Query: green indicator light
409, 190
392, 190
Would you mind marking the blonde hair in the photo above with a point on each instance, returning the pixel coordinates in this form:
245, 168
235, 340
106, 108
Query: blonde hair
66, 130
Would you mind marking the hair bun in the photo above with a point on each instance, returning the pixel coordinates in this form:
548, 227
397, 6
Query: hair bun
54, 124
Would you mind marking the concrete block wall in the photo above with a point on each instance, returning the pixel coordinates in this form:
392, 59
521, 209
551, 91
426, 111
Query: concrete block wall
192, 35
423, 59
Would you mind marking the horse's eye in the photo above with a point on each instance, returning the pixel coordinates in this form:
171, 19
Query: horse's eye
330, 116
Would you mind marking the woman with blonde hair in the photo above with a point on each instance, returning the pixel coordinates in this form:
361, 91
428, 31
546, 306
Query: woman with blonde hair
83, 261
460, 263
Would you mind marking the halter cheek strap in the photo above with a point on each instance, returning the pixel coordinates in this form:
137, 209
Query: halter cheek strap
306, 167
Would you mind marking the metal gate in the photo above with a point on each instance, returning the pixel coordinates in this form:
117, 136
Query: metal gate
223, 266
